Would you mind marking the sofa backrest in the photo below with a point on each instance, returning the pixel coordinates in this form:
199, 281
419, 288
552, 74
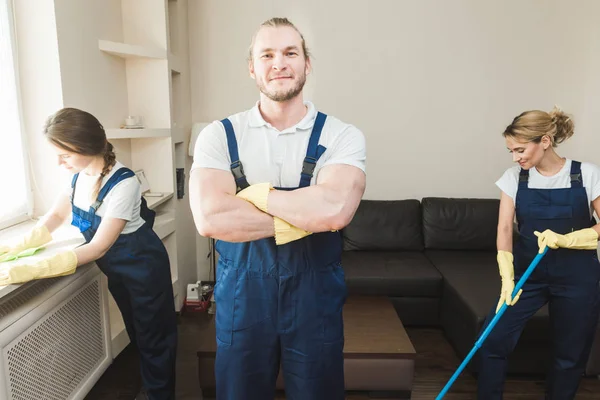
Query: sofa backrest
385, 225
460, 224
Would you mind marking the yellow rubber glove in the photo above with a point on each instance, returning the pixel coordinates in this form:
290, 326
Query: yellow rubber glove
584, 239
257, 194
507, 273
38, 236
285, 232
60, 264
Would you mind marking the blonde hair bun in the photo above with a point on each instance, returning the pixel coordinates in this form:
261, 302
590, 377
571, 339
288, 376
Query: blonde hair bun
565, 128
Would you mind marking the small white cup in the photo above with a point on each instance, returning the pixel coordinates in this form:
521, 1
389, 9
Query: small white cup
134, 120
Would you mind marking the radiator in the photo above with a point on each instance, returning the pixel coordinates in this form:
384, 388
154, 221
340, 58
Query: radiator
54, 337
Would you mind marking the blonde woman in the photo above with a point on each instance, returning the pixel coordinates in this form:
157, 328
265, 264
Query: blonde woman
553, 199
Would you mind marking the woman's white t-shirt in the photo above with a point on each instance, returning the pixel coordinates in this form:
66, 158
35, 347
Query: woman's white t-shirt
123, 201
509, 182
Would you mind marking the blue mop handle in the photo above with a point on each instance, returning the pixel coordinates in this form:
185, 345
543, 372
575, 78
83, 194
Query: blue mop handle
491, 325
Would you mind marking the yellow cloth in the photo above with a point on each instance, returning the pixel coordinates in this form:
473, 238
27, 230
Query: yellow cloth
60, 264
257, 194
584, 239
38, 236
507, 273
285, 232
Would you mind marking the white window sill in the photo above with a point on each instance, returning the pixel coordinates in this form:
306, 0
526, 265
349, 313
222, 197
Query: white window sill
66, 237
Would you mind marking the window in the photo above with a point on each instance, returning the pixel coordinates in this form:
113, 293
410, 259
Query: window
15, 198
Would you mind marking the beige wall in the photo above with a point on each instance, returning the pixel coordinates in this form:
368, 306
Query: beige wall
186, 230
431, 83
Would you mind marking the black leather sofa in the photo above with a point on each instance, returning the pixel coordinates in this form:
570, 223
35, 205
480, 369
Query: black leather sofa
436, 261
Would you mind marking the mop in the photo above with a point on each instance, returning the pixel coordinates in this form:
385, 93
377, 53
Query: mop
491, 325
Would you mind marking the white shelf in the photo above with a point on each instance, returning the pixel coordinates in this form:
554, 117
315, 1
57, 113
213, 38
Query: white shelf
164, 224
125, 50
137, 133
154, 202
151, 60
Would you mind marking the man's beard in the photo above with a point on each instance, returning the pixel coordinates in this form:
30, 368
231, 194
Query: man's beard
284, 96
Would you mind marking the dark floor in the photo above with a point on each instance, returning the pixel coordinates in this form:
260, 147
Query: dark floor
436, 362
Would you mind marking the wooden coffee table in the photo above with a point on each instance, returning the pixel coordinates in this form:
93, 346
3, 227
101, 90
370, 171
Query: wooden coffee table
378, 355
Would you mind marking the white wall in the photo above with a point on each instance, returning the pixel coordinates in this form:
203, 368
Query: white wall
432, 84
91, 80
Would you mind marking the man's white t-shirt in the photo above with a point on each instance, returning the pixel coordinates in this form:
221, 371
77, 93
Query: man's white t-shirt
590, 173
270, 155
123, 201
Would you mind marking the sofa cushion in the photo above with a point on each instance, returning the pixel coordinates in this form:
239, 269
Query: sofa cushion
385, 225
460, 224
471, 289
474, 275
395, 274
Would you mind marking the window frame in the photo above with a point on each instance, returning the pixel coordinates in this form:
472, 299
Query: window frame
28, 214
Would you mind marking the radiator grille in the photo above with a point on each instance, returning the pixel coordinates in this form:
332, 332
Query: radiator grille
12, 302
52, 358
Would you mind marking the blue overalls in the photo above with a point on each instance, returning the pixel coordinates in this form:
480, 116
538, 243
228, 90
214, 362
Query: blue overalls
139, 279
280, 305
565, 279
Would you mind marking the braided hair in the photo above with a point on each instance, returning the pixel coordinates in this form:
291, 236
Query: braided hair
78, 131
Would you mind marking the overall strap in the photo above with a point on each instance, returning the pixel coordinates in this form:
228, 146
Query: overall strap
523, 178
576, 180
73, 184
312, 152
122, 173
236, 165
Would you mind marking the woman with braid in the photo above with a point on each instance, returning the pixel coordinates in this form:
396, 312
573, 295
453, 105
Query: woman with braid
105, 203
